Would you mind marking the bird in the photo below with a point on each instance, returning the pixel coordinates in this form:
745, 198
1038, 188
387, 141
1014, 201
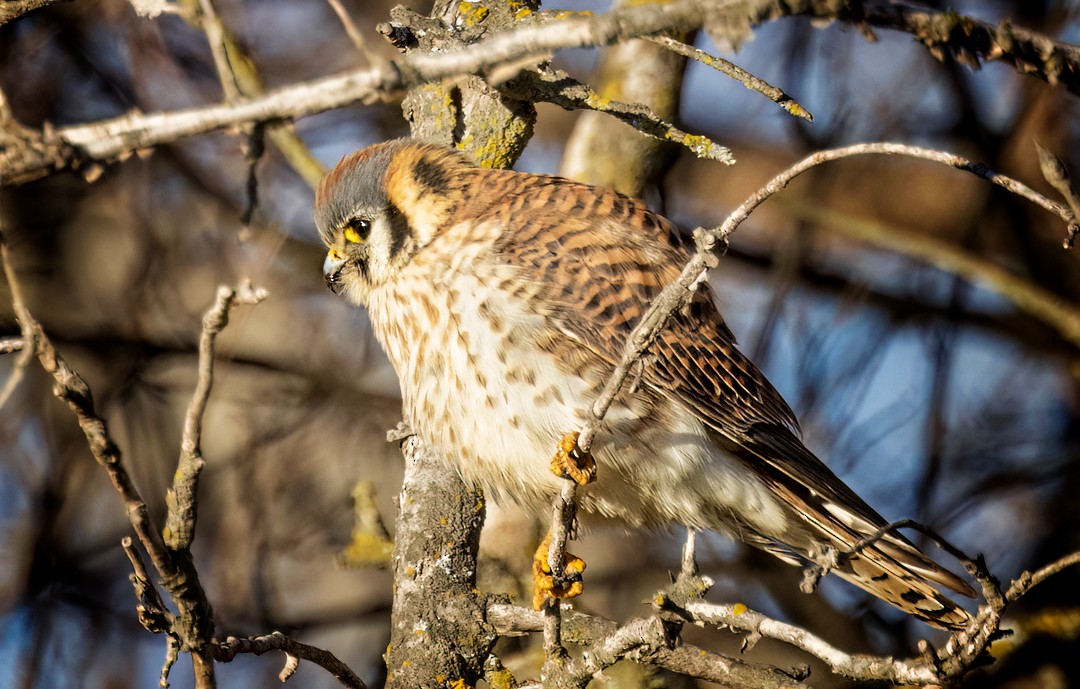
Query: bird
504, 300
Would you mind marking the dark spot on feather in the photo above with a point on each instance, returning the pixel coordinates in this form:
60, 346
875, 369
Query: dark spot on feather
884, 576
618, 206
431, 175
913, 597
399, 230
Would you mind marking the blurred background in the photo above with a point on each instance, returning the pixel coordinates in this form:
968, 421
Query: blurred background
936, 396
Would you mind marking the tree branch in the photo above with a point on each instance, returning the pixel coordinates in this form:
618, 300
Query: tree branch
225, 651
11, 10
179, 528
643, 640
39, 153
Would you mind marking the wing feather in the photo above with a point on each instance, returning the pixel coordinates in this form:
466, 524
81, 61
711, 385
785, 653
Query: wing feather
598, 278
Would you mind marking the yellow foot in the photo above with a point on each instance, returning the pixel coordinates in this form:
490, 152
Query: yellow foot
544, 582
570, 462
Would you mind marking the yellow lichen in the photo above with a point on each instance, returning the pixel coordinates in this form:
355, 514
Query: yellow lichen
738, 609
366, 550
597, 102
472, 13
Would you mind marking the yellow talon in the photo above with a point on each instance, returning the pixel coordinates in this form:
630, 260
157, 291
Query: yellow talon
570, 462
544, 582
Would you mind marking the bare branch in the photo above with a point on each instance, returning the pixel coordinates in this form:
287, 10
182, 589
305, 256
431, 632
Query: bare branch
1055, 172
556, 86
193, 623
737, 73
225, 651
112, 139
1025, 582
945, 32
644, 640
354, 34
739, 617
181, 498
216, 36
153, 615
777, 183
18, 369
9, 345
11, 10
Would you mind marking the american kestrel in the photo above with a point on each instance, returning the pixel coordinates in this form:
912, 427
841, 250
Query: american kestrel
504, 299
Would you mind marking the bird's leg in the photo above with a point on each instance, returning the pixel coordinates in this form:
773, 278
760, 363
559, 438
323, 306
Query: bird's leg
570, 462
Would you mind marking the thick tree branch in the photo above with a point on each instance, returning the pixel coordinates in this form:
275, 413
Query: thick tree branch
437, 622
11, 10
641, 639
35, 154
945, 32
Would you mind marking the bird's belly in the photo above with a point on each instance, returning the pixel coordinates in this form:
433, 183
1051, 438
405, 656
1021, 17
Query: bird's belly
487, 384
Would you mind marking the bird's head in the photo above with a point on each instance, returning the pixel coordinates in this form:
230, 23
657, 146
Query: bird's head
378, 207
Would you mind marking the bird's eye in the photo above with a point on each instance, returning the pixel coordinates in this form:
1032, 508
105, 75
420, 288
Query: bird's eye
357, 230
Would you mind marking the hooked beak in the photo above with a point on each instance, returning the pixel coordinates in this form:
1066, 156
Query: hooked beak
331, 270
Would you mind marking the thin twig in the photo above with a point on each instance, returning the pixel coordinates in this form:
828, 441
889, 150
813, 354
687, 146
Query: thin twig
354, 34
153, 615
737, 73
689, 566
556, 86
215, 35
253, 153
226, 651
10, 344
193, 622
1055, 172
181, 498
18, 369
991, 589
73, 389
739, 215
172, 654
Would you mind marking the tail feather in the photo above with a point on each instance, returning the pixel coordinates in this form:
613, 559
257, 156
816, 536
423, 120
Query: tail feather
826, 514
